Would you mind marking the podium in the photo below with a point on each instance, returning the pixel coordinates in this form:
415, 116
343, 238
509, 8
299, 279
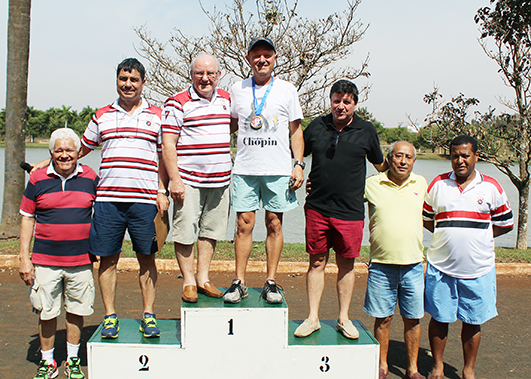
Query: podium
251, 339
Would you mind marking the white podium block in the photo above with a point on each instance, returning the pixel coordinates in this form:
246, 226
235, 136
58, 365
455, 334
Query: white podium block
251, 339
212, 324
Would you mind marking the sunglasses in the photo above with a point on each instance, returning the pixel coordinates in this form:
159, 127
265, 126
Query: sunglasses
334, 140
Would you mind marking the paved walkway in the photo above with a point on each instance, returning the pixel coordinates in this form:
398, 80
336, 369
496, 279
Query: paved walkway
505, 350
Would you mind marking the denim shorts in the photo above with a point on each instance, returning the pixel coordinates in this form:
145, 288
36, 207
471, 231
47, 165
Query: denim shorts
110, 221
274, 192
472, 301
389, 283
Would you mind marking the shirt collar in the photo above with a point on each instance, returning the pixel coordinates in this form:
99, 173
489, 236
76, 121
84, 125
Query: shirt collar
477, 179
143, 106
51, 171
195, 96
383, 178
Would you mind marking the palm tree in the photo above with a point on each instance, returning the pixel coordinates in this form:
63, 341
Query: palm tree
18, 37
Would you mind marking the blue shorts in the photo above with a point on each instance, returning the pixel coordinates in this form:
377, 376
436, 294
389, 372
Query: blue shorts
472, 301
110, 221
389, 283
273, 191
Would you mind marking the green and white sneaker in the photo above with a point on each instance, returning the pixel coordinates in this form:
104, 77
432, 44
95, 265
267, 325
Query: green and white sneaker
46, 370
73, 369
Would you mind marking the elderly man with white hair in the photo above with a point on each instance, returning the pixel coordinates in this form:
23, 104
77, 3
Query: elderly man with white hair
57, 204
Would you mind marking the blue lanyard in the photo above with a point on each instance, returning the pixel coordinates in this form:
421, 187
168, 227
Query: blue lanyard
258, 108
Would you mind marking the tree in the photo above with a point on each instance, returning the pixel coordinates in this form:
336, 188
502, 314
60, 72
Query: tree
499, 139
18, 37
308, 49
504, 140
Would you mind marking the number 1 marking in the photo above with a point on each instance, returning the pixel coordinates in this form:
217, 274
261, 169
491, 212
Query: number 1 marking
231, 327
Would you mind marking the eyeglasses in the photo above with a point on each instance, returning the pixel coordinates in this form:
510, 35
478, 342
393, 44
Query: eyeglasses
334, 140
209, 74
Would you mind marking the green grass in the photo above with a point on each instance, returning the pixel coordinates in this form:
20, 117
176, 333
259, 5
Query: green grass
292, 252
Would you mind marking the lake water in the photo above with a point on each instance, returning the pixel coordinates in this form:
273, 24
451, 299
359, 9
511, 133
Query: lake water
294, 220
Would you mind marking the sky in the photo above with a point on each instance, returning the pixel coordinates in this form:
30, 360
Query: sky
414, 45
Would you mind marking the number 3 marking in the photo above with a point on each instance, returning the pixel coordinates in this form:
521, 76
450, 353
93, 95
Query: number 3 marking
326, 366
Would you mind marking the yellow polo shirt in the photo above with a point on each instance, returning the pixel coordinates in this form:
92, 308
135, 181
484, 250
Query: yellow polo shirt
395, 219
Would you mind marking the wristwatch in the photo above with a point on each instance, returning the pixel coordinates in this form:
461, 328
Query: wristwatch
300, 163
164, 192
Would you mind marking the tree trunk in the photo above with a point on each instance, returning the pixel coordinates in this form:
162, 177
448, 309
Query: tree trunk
523, 204
18, 37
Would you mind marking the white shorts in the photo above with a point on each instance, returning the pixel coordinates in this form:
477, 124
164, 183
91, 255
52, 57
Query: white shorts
72, 285
205, 213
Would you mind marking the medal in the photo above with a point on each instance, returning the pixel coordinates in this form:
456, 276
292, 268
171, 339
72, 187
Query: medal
257, 122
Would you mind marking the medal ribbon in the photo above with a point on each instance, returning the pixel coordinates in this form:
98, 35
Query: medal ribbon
258, 108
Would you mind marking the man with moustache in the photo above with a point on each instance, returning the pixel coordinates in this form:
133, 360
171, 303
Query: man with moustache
465, 210
196, 152
266, 112
396, 272
339, 143
132, 189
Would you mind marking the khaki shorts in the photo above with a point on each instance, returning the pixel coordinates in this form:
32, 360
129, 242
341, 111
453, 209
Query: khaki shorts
205, 213
72, 285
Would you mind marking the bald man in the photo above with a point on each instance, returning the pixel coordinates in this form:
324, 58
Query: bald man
196, 149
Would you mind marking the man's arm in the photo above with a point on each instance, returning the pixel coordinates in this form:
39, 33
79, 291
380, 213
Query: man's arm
26, 270
497, 231
233, 125
384, 166
169, 156
297, 146
429, 225
163, 203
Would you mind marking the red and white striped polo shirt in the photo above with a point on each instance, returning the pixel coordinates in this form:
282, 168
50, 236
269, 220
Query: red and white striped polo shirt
462, 244
203, 147
129, 156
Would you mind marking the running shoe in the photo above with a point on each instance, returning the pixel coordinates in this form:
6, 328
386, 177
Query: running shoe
46, 370
236, 292
111, 326
73, 368
148, 326
271, 292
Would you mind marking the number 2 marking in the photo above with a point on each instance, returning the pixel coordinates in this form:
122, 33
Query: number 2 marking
326, 366
143, 361
231, 327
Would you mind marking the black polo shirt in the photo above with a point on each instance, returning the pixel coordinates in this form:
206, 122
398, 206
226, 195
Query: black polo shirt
339, 169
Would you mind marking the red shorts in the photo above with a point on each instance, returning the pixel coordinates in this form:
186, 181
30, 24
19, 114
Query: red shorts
324, 233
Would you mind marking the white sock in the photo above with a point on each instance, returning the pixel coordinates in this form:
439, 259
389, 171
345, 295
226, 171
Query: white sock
71, 350
47, 355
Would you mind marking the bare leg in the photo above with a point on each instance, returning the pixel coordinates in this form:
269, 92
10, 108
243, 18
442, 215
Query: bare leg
274, 242
185, 257
74, 325
412, 340
205, 251
244, 242
345, 285
438, 334
315, 280
107, 280
147, 278
47, 329
470, 338
382, 331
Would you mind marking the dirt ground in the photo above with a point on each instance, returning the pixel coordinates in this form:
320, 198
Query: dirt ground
505, 350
